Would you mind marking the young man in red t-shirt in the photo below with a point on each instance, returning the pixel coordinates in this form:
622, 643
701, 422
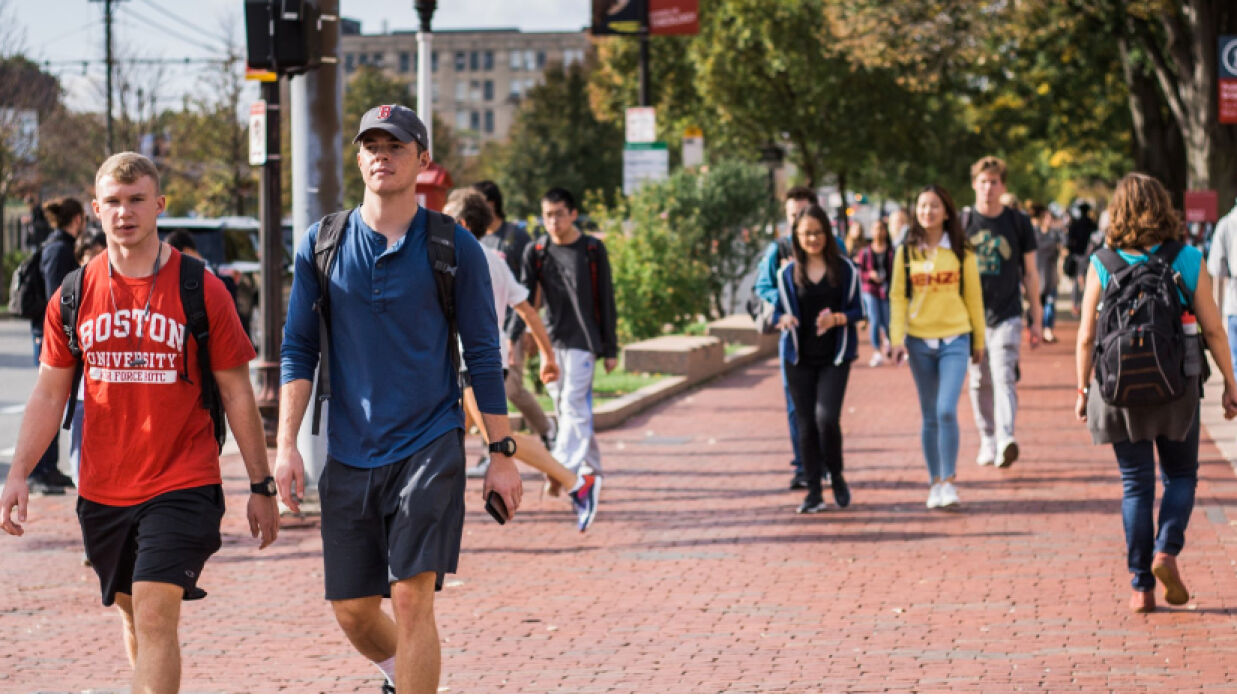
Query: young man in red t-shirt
150, 489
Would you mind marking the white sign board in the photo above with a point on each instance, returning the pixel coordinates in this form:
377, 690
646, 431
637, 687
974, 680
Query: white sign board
641, 124
693, 151
257, 133
644, 162
19, 129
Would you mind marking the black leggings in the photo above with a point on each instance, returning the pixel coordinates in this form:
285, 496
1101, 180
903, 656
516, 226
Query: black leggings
817, 391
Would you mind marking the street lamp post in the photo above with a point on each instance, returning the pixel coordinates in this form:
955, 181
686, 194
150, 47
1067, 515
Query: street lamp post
425, 87
772, 156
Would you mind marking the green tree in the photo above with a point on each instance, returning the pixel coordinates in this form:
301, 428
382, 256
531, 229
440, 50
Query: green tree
557, 141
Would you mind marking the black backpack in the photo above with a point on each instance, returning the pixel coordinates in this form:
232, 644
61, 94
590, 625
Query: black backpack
27, 295
440, 245
197, 324
758, 308
1140, 343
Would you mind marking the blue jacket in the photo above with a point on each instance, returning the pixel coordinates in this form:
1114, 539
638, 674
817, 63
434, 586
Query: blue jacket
788, 301
393, 386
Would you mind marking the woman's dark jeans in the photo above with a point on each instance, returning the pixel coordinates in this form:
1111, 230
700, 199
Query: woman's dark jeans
1179, 472
818, 392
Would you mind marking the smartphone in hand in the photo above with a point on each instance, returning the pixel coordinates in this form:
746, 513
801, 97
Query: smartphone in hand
496, 508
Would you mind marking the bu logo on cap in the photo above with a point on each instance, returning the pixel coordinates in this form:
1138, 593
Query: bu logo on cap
384, 112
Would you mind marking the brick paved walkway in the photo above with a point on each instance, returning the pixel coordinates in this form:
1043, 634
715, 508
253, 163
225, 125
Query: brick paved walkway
698, 576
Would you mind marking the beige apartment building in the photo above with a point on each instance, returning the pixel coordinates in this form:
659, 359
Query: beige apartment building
480, 75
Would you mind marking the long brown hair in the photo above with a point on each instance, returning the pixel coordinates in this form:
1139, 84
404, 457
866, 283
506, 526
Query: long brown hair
1140, 214
833, 255
953, 223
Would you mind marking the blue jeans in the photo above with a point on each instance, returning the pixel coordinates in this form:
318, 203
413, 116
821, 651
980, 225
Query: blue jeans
797, 463
877, 310
1048, 300
939, 374
50, 460
1179, 472
1232, 338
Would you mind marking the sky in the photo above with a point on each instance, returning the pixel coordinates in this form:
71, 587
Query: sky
66, 32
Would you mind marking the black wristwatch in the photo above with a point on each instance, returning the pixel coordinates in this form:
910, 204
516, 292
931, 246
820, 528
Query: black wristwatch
505, 446
266, 487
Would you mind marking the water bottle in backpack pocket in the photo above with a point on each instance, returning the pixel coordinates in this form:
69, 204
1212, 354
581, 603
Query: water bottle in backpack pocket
1141, 349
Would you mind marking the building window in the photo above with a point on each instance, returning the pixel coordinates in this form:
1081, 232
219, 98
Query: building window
474, 91
434, 61
377, 60
489, 121
349, 62
474, 120
474, 61
487, 60
540, 60
461, 61
404, 61
461, 119
434, 89
461, 91
514, 94
517, 60
489, 90
362, 58
530, 60
571, 56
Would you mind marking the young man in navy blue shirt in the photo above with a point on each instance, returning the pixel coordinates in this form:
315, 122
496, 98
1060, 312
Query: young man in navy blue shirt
392, 491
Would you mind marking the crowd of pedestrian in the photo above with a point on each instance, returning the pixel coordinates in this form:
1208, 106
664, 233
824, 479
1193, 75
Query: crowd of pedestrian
393, 293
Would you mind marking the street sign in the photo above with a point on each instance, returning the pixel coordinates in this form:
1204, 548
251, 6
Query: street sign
641, 124
618, 16
19, 130
693, 147
257, 133
674, 17
1201, 206
644, 162
1227, 79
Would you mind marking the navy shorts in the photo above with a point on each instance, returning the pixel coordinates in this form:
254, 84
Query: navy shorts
386, 524
166, 539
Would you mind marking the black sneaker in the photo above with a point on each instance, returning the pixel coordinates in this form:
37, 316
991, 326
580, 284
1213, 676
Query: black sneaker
797, 482
841, 492
387, 687
813, 504
39, 485
58, 478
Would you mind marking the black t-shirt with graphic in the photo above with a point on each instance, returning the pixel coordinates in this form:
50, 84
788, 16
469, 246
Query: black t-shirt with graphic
999, 245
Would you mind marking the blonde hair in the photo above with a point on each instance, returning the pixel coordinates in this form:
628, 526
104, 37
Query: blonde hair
988, 163
1140, 213
127, 168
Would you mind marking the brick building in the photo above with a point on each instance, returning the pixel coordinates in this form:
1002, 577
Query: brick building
480, 75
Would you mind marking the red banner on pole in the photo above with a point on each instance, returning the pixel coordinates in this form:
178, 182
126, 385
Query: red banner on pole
674, 17
1201, 206
1228, 100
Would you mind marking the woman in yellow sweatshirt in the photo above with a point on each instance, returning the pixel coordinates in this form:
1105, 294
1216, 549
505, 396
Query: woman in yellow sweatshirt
937, 323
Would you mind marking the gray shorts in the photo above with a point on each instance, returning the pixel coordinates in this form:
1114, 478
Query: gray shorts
385, 524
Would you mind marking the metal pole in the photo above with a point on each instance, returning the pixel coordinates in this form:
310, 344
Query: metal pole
272, 267
110, 62
425, 75
644, 64
317, 182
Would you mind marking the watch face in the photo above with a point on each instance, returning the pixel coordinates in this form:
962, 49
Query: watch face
271, 489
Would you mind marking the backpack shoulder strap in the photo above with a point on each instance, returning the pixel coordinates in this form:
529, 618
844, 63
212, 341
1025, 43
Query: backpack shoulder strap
70, 300
592, 251
905, 249
326, 248
440, 243
197, 325
1110, 260
1168, 253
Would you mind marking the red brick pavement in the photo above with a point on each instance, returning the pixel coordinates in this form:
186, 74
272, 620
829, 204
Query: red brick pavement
699, 577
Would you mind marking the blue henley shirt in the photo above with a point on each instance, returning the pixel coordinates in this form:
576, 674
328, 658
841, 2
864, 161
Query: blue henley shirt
393, 389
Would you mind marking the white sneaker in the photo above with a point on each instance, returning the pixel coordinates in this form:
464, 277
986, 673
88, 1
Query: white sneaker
934, 496
877, 359
987, 453
948, 496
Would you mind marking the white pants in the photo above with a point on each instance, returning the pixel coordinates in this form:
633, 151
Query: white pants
576, 444
994, 389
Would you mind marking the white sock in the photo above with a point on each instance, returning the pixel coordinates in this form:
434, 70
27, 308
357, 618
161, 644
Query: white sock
388, 668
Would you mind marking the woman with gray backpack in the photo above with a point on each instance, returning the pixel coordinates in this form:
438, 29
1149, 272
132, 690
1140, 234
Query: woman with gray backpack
1147, 313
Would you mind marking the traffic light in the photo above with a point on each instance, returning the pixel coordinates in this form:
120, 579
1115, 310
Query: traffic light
282, 35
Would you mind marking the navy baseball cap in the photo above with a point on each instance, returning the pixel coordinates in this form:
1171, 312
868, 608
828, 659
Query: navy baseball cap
400, 121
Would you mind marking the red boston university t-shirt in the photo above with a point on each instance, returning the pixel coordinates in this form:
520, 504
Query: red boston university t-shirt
145, 432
